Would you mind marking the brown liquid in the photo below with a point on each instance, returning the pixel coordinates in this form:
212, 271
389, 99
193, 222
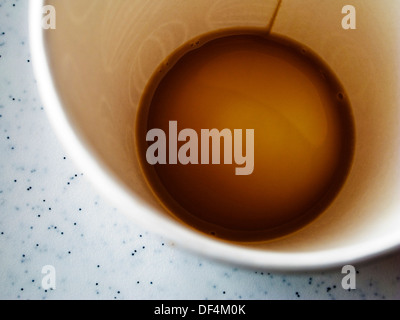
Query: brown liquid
303, 134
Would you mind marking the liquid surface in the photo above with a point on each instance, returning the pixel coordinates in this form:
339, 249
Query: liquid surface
303, 135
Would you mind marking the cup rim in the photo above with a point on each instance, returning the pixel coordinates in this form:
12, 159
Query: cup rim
108, 185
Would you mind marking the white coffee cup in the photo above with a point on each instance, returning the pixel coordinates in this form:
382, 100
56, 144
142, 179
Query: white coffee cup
93, 67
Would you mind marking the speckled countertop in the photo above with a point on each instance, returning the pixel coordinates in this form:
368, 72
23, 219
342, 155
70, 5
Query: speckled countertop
51, 216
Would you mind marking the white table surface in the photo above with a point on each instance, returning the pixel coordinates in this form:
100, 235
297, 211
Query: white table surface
51, 215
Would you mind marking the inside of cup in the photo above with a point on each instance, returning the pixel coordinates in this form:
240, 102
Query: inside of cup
103, 53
